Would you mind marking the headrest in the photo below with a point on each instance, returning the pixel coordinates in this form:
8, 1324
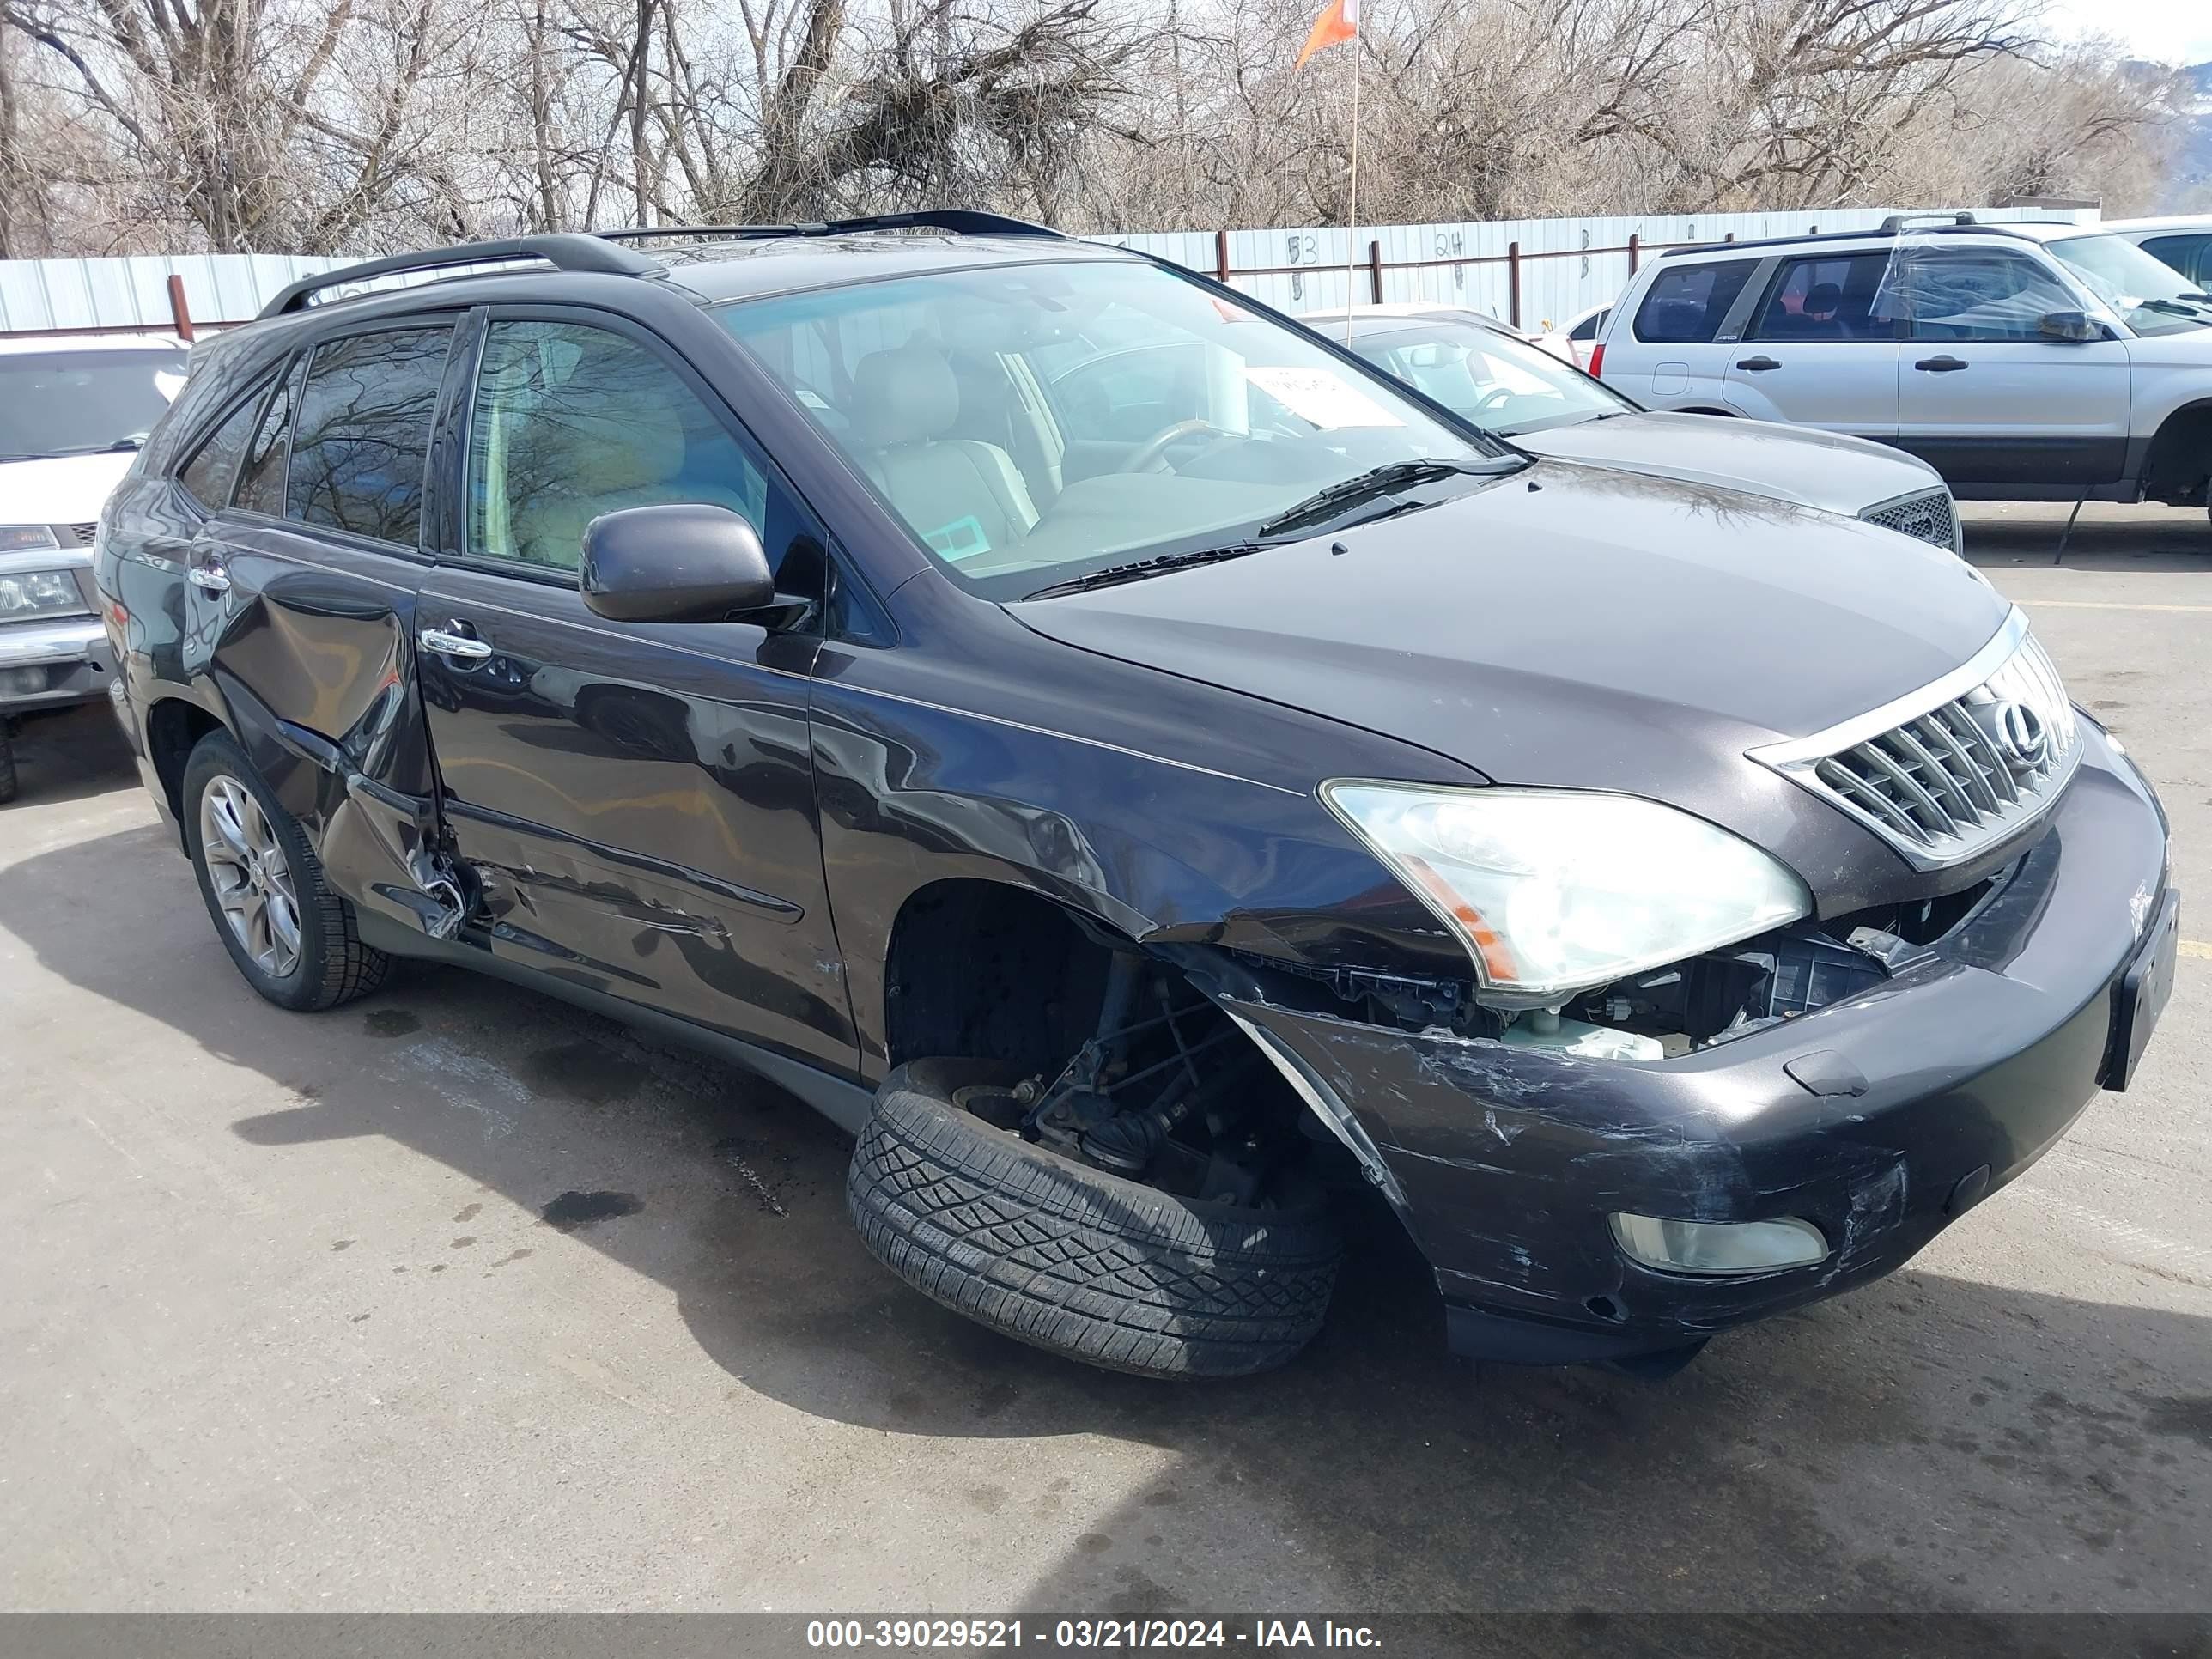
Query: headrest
904, 396
1823, 297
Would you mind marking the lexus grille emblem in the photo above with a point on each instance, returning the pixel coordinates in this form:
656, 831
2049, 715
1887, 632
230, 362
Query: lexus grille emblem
2021, 736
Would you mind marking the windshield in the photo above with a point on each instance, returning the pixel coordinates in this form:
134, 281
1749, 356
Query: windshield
2151, 298
1503, 385
1032, 424
77, 402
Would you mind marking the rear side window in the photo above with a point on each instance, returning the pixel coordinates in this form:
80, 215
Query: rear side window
1840, 296
213, 467
362, 438
1686, 305
261, 476
1587, 328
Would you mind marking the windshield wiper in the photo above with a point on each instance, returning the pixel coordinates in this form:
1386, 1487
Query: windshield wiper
2180, 305
1137, 569
128, 441
1325, 504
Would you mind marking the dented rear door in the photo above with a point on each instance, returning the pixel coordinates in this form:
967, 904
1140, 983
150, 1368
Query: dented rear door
300, 610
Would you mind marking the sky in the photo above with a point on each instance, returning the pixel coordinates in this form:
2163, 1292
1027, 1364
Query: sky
2170, 31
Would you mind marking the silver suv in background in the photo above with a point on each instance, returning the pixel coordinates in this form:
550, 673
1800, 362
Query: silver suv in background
2023, 362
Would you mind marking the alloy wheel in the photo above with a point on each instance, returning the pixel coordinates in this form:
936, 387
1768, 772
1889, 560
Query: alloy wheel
253, 879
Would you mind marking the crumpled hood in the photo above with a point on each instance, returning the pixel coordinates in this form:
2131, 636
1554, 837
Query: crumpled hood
1572, 626
1829, 470
61, 488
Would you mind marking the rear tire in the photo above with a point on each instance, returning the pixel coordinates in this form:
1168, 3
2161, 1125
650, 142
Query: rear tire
263, 868
1071, 1259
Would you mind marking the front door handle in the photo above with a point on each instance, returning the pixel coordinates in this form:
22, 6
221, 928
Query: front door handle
450, 641
1758, 365
1946, 365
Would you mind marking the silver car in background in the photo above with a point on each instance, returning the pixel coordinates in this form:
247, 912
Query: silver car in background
1489, 373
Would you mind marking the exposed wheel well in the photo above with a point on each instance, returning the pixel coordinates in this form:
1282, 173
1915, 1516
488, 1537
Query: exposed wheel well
991, 972
173, 729
2179, 469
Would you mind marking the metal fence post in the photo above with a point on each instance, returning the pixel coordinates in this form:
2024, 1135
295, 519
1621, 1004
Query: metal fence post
1374, 271
178, 310
1513, 283
1221, 255
1635, 252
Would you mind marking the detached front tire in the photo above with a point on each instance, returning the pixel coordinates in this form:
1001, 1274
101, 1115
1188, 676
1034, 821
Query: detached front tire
1072, 1259
295, 941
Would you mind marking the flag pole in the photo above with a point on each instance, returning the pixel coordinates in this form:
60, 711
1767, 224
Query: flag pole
1352, 230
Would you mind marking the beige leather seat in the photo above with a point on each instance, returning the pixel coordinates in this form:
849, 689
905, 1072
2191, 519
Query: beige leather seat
961, 496
610, 435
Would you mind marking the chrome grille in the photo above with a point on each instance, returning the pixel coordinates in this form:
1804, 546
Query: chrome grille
1954, 768
1929, 516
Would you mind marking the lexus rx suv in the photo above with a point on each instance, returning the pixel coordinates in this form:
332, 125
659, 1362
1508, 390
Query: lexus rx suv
1157, 802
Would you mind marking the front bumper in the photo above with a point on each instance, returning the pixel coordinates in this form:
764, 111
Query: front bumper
46, 665
1506, 1163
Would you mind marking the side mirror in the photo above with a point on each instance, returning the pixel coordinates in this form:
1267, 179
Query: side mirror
2074, 327
679, 563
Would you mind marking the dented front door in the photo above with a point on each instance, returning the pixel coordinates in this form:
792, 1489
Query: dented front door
635, 801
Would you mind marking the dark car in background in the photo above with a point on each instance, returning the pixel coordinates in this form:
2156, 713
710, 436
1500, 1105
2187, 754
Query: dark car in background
1157, 800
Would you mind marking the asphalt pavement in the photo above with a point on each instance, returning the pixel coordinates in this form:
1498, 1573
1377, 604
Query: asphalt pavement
458, 1299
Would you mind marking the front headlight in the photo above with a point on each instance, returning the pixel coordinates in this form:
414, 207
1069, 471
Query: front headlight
1554, 890
39, 593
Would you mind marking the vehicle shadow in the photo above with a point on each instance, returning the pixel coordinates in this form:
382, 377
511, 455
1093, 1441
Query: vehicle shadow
1929, 1443
71, 756
2179, 540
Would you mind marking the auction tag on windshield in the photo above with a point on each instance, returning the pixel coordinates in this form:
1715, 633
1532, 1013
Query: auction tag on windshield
1320, 396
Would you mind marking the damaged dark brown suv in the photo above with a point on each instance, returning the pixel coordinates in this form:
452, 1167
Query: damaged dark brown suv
1152, 779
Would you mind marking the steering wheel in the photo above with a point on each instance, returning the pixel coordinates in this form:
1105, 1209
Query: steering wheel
1498, 398
1147, 455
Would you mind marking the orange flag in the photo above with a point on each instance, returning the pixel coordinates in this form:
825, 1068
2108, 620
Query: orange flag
1338, 23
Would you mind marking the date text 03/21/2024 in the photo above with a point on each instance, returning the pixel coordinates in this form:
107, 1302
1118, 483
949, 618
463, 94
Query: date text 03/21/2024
919, 1634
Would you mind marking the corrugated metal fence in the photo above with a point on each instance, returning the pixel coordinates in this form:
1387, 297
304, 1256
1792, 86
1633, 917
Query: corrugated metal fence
1530, 270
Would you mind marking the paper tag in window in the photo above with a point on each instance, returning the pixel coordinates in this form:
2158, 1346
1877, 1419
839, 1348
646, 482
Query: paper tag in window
1320, 395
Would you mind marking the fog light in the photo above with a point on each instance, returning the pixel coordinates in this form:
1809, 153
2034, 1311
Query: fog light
1720, 1247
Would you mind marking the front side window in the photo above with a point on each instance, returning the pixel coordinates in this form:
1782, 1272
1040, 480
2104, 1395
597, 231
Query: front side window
2151, 297
1501, 384
79, 403
570, 421
1172, 420
1839, 297
362, 439
1687, 305
214, 466
1978, 294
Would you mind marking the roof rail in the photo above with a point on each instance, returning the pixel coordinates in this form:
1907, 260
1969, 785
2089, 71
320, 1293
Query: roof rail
963, 220
1894, 225
562, 250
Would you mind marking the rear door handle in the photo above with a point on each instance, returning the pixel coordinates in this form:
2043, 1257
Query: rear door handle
449, 641
1757, 365
1940, 365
